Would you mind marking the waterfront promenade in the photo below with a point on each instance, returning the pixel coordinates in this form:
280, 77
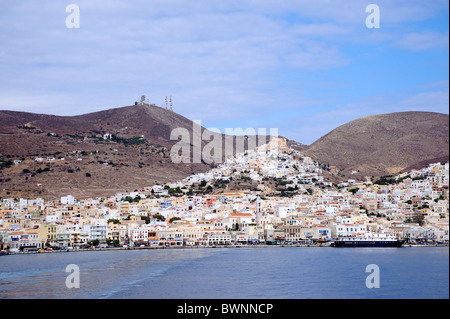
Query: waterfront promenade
97, 249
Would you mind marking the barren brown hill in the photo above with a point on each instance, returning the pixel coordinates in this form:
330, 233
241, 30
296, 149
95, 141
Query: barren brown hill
385, 144
50, 156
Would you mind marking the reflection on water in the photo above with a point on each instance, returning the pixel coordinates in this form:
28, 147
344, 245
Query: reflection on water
291, 273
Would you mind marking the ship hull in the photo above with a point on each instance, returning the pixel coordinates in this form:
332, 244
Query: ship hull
368, 243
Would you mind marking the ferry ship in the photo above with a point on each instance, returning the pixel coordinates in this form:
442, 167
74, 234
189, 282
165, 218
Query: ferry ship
367, 240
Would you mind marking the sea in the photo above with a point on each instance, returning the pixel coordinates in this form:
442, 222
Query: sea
229, 273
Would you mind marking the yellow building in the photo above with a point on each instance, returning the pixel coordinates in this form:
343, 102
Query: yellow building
125, 209
113, 231
47, 232
192, 235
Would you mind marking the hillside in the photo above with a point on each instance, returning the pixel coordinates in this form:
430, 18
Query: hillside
384, 144
50, 156
123, 149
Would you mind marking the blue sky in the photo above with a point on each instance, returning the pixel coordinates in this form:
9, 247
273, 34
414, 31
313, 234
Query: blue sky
304, 67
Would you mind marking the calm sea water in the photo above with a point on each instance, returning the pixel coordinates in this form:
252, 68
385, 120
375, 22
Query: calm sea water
243, 273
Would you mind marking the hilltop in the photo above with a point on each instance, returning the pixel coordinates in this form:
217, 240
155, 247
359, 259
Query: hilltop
95, 154
385, 144
127, 148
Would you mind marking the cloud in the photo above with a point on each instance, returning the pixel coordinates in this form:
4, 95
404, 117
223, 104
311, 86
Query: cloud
227, 63
426, 40
209, 57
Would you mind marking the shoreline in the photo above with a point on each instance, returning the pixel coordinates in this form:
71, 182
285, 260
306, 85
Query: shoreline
202, 247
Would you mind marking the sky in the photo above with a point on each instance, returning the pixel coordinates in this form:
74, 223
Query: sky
303, 67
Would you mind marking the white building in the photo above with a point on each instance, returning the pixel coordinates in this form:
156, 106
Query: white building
96, 231
68, 200
338, 230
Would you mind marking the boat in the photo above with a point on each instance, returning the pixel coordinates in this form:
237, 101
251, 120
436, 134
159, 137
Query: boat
367, 240
2, 252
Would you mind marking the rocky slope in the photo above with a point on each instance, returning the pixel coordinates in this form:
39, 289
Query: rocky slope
385, 144
50, 156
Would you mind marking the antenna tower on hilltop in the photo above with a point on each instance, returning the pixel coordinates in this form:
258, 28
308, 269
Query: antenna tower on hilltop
143, 101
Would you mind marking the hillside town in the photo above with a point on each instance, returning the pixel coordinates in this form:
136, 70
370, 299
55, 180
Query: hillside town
289, 203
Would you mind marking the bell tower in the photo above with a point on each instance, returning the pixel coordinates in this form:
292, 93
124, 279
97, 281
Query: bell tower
258, 211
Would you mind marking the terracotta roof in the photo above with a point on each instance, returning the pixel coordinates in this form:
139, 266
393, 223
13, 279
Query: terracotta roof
16, 233
241, 214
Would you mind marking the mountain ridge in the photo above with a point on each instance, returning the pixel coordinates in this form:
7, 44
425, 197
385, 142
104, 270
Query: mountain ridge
384, 144
76, 159
70, 155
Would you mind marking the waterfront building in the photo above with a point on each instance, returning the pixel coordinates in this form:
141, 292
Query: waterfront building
415, 208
